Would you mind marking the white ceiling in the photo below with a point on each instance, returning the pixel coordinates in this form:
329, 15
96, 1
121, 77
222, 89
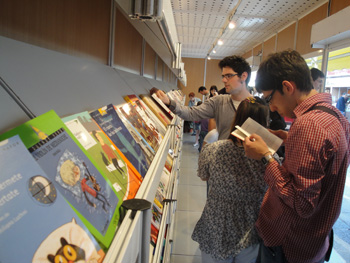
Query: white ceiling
200, 23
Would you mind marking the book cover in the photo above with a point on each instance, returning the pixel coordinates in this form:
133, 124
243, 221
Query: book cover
142, 124
147, 115
108, 120
137, 134
119, 171
155, 109
73, 172
250, 126
36, 223
163, 106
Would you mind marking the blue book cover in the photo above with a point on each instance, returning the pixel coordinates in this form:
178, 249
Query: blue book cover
36, 223
109, 121
76, 178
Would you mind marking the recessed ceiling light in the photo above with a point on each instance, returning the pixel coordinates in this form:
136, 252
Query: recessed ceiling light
231, 25
220, 42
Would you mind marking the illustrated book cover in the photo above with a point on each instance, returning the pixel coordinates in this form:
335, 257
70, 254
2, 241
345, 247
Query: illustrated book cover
146, 114
147, 99
119, 171
109, 121
36, 223
73, 172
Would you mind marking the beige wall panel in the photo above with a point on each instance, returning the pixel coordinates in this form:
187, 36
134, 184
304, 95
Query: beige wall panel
150, 62
78, 28
338, 5
285, 38
248, 54
128, 45
194, 68
160, 69
213, 74
304, 29
269, 47
257, 50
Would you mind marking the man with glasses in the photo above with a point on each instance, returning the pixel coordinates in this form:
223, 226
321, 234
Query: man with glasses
304, 194
235, 75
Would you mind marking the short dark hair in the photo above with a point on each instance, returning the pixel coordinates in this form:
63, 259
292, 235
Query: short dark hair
253, 107
201, 88
316, 73
238, 64
286, 65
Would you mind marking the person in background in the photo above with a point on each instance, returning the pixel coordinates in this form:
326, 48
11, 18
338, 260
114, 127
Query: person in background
341, 103
192, 102
304, 195
225, 231
203, 91
236, 73
317, 79
213, 91
204, 123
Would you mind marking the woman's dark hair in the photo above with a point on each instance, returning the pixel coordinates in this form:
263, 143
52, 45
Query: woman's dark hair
213, 88
252, 107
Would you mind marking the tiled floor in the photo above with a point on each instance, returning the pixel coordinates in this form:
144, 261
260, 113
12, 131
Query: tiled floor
191, 200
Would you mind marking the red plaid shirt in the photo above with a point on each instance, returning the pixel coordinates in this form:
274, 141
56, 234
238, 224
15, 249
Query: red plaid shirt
304, 197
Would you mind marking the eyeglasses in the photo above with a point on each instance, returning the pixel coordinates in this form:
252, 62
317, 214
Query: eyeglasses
269, 98
228, 76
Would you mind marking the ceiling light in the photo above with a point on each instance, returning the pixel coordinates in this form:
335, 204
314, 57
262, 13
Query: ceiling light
214, 51
209, 58
220, 42
231, 25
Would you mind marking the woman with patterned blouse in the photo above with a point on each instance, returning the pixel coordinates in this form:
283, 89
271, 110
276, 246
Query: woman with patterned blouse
225, 232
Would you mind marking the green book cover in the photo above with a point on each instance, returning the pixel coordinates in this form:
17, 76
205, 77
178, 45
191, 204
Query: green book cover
107, 156
74, 173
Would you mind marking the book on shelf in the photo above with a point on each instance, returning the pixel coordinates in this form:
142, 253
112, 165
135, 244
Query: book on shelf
36, 222
147, 99
73, 172
138, 130
250, 126
119, 171
148, 116
161, 103
109, 121
164, 182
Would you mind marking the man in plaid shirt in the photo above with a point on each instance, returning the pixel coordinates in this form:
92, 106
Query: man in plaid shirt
304, 195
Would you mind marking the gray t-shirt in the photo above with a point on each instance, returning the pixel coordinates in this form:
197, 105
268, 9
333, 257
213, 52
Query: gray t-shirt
222, 108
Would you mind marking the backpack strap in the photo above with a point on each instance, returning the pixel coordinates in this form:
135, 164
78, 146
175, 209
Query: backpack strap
325, 109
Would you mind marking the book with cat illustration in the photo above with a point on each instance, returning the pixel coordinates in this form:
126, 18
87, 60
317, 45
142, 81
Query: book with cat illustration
36, 222
111, 124
73, 172
125, 180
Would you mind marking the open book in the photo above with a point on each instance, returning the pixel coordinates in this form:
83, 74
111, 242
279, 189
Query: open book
250, 126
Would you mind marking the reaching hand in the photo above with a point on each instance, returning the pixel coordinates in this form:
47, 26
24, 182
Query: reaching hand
163, 97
